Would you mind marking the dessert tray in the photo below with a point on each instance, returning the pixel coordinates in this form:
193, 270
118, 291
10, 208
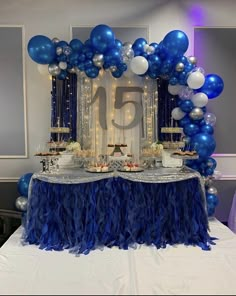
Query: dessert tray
131, 170
186, 156
96, 170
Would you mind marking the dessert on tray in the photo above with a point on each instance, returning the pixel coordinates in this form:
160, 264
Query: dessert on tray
131, 166
185, 153
99, 168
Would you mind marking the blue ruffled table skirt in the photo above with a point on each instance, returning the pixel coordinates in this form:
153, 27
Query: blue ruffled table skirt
116, 212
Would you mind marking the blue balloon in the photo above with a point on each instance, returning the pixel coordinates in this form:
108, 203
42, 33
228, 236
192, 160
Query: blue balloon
190, 129
186, 105
138, 46
211, 163
76, 45
207, 128
62, 44
176, 42
210, 211
41, 49
204, 144
118, 43
92, 72
212, 199
23, 184
213, 86
185, 120
62, 75
102, 38
155, 45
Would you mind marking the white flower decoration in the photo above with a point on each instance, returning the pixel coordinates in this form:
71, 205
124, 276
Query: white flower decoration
73, 146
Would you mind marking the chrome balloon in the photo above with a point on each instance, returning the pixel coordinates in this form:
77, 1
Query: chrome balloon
192, 60
212, 190
196, 113
54, 69
21, 203
98, 60
179, 67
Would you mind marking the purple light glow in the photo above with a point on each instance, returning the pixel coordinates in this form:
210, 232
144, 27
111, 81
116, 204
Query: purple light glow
196, 15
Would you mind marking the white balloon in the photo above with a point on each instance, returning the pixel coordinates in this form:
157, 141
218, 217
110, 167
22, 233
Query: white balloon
200, 99
196, 80
174, 89
43, 69
139, 65
177, 113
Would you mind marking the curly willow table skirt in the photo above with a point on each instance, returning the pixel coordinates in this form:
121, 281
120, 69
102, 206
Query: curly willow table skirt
116, 212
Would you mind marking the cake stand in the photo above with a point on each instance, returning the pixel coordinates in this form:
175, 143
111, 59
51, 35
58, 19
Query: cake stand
185, 158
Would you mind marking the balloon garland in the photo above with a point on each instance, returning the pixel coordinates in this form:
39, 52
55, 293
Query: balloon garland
166, 60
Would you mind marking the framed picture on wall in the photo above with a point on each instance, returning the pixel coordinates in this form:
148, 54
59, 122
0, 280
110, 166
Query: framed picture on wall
13, 126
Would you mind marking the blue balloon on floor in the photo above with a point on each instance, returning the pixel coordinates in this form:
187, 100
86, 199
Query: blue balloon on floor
23, 184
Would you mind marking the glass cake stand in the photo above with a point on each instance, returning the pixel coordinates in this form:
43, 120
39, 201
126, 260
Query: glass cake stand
151, 162
185, 158
49, 163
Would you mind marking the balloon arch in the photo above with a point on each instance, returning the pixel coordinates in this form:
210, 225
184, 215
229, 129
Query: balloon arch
189, 84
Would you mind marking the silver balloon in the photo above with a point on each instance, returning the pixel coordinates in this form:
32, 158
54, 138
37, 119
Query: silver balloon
113, 68
150, 49
21, 203
179, 67
54, 69
196, 113
55, 40
63, 65
192, 60
127, 44
59, 50
98, 60
127, 54
212, 190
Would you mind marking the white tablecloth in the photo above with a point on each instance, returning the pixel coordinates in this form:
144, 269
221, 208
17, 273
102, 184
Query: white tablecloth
176, 270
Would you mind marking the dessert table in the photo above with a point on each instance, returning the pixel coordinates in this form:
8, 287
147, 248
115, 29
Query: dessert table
82, 211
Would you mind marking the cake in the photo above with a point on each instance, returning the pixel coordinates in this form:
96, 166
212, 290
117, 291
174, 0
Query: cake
66, 160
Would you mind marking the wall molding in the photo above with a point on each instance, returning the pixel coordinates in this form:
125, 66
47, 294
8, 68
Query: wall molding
226, 166
9, 179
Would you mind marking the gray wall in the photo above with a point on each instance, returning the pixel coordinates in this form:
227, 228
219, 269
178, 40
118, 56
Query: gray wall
8, 195
215, 50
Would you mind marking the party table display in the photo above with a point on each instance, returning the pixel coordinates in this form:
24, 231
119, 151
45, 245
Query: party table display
81, 211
